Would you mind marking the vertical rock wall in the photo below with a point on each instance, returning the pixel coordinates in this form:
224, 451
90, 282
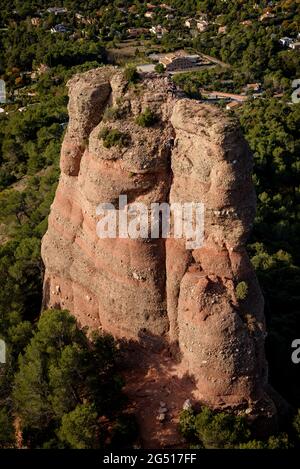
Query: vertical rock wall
155, 290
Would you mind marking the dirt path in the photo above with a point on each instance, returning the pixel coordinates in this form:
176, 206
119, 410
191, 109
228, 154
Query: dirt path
216, 61
156, 382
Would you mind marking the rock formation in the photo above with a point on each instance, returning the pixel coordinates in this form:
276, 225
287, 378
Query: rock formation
156, 291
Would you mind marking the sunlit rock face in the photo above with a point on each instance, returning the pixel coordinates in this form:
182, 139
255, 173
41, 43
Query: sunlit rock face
156, 290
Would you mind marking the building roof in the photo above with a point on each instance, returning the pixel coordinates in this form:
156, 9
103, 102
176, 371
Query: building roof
233, 104
169, 58
253, 86
57, 10
180, 53
166, 7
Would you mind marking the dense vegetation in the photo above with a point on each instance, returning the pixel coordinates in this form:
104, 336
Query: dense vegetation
272, 130
209, 430
31, 132
35, 65
146, 118
66, 392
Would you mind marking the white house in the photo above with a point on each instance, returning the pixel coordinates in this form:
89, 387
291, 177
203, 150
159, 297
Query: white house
202, 25
158, 30
179, 60
57, 11
266, 16
149, 14
222, 30
2, 92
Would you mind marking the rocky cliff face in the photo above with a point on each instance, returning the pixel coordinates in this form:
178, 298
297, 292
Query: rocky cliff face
155, 291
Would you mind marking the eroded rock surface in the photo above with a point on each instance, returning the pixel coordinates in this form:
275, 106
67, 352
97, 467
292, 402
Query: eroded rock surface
155, 291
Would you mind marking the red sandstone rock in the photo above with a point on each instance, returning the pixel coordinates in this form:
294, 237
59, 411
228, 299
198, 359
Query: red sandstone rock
152, 290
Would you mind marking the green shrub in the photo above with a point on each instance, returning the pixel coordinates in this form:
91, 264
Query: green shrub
241, 290
146, 118
114, 113
79, 428
187, 424
159, 68
7, 433
253, 444
124, 430
192, 90
65, 382
113, 137
296, 424
131, 74
280, 441
209, 429
214, 430
220, 430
